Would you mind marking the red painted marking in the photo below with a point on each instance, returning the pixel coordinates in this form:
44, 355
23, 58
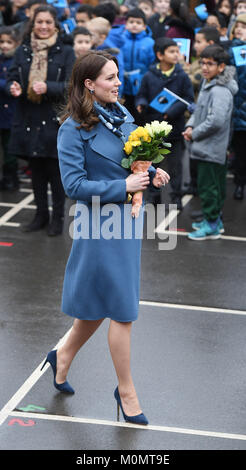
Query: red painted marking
29, 422
6, 244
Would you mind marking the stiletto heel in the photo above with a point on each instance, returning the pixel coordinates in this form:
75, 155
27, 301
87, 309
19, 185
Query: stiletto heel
51, 359
118, 412
138, 419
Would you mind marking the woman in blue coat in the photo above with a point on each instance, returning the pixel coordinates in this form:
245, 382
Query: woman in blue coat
102, 273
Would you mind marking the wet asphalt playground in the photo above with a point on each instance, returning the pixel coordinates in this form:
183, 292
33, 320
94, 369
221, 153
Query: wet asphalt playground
188, 345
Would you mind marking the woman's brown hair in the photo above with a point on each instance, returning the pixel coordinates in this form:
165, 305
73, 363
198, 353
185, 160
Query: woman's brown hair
80, 101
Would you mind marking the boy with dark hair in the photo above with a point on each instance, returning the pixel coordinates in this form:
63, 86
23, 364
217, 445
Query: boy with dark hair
83, 14
204, 37
82, 41
208, 131
167, 73
138, 53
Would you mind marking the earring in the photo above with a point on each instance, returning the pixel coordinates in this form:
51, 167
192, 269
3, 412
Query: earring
91, 91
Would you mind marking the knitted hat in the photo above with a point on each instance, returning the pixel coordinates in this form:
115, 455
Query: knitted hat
239, 19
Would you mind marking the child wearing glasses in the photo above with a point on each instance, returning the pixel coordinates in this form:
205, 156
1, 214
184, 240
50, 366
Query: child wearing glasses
208, 131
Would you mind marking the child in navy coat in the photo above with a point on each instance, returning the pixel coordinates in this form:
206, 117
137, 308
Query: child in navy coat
167, 73
9, 41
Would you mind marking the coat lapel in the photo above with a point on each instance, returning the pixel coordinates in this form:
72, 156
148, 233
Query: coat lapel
107, 144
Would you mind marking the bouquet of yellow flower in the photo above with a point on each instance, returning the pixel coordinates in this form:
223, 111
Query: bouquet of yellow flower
145, 145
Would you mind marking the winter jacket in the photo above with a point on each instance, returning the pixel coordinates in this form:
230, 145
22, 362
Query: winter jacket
158, 26
7, 103
35, 126
153, 83
211, 120
239, 114
178, 29
138, 55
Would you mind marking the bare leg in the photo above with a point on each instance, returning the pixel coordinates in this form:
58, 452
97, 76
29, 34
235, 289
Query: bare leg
119, 338
81, 331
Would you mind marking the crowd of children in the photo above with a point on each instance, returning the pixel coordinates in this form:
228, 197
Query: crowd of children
208, 114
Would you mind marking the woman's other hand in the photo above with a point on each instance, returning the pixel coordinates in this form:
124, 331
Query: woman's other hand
161, 178
15, 89
40, 88
137, 182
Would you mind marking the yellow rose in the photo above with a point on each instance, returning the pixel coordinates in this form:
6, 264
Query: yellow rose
128, 148
136, 143
147, 137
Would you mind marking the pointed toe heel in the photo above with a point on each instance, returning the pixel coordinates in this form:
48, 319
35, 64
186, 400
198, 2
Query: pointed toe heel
64, 387
137, 419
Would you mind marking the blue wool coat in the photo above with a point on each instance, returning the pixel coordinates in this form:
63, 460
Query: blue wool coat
102, 275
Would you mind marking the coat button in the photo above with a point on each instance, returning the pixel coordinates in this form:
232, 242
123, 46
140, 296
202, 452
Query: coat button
28, 129
34, 153
43, 122
6, 105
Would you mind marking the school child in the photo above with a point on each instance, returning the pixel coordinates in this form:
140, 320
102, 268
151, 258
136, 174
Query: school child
218, 21
9, 40
82, 41
83, 14
208, 131
148, 8
204, 37
138, 53
238, 35
239, 9
169, 74
157, 22
99, 28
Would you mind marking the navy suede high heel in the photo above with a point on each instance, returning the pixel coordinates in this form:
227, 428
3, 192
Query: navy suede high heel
64, 387
138, 419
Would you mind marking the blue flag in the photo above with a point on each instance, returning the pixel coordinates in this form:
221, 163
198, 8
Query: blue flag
163, 101
239, 53
184, 47
58, 3
201, 11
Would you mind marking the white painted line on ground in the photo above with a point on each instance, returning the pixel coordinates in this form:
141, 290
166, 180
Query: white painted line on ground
192, 307
25, 190
161, 228
73, 419
27, 385
11, 224
223, 237
14, 210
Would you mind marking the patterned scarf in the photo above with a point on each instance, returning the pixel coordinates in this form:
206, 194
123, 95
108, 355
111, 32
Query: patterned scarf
113, 116
39, 66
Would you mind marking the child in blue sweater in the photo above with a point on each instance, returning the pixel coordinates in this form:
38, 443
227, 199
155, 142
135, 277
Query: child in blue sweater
9, 41
138, 52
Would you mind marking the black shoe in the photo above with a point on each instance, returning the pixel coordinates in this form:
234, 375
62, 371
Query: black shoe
239, 193
55, 227
40, 221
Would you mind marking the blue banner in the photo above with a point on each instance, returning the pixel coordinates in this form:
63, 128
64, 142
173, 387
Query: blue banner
163, 101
